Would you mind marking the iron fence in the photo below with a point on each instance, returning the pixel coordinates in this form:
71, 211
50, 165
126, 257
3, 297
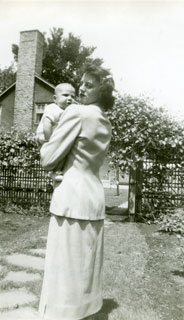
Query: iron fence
159, 186
153, 186
25, 186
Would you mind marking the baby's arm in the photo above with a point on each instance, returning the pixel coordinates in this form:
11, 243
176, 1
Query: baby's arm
56, 176
47, 128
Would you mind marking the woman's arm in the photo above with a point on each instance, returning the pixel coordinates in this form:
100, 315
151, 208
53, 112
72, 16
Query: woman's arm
62, 139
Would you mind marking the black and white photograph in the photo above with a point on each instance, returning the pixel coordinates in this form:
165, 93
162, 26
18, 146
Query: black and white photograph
92, 160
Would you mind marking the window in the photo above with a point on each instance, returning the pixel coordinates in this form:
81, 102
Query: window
39, 110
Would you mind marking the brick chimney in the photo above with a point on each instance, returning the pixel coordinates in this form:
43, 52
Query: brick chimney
29, 62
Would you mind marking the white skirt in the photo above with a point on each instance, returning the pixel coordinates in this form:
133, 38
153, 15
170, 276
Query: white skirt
72, 285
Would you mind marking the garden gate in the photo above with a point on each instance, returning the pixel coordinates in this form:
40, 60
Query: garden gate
155, 187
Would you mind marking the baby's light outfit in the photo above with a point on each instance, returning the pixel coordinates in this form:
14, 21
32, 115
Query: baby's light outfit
52, 112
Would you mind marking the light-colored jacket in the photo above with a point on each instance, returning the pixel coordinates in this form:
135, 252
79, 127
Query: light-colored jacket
79, 145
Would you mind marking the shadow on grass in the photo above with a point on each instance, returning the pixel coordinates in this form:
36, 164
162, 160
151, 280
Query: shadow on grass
117, 214
108, 306
116, 211
178, 273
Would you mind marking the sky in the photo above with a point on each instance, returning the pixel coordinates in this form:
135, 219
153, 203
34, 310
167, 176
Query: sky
142, 42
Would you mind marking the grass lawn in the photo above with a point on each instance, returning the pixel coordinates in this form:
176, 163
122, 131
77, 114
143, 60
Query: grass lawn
143, 269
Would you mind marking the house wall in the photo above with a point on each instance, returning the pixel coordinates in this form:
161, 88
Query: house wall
43, 94
7, 105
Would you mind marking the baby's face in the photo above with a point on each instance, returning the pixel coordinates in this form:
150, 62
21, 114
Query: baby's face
64, 96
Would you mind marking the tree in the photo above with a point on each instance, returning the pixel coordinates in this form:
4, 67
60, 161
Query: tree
7, 77
63, 57
141, 131
15, 51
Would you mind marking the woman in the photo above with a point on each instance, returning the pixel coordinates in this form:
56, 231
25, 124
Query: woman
72, 286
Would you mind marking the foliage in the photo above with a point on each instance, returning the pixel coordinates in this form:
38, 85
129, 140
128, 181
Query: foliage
172, 221
18, 149
63, 57
39, 211
7, 77
21, 177
15, 51
13, 208
141, 131
34, 210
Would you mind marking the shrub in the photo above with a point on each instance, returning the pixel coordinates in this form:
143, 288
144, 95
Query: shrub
21, 177
172, 221
139, 131
34, 210
18, 149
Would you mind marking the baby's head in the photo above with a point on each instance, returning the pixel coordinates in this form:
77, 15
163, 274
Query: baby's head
64, 95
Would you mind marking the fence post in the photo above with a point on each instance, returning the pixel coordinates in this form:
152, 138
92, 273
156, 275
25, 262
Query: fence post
134, 195
139, 174
117, 181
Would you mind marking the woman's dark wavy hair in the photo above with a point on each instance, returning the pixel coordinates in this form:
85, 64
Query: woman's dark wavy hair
106, 98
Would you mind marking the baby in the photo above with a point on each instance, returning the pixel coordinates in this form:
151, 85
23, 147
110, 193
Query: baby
63, 97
